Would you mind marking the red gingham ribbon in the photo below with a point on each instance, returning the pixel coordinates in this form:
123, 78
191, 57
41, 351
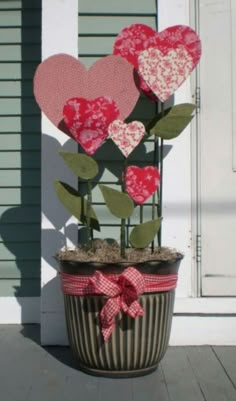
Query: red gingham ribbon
122, 291
122, 295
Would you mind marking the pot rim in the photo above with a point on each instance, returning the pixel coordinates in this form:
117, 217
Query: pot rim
149, 266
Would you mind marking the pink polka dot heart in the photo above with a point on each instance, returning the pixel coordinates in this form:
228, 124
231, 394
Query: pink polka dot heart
62, 77
141, 183
126, 136
88, 120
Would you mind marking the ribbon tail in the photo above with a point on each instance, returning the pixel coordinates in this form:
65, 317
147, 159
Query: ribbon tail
107, 316
107, 331
133, 310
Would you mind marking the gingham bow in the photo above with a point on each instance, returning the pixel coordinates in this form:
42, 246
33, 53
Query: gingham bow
122, 295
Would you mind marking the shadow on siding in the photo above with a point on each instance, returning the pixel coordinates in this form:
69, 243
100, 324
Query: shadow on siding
20, 225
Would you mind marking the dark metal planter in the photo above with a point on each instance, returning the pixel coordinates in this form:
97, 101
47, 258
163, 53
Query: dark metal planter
136, 346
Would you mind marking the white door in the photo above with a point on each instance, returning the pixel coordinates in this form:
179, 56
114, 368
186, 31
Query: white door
218, 146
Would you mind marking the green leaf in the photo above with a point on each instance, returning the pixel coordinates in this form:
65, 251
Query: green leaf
82, 165
175, 120
75, 203
119, 203
144, 233
156, 118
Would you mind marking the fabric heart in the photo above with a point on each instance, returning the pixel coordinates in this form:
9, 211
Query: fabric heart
141, 183
126, 136
88, 120
62, 77
164, 73
136, 38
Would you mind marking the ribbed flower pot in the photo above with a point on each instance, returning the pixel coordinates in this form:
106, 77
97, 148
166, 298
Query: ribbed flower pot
136, 344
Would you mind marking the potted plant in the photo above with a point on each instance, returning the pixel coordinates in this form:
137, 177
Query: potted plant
119, 295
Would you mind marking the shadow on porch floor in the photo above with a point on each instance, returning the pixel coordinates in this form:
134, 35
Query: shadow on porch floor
29, 372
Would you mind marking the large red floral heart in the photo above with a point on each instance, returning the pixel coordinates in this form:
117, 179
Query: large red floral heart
164, 73
88, 120
136, 38
62, 77
141, 183
126, 136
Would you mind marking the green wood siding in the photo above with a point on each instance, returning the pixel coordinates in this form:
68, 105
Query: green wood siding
20, 139
121, 7
99, 23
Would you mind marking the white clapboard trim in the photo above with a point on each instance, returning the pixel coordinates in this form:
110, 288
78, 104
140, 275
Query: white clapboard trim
19, 310
27, 310
177, 198
59, 35
186, 330
205, 306
203, 330
233, 48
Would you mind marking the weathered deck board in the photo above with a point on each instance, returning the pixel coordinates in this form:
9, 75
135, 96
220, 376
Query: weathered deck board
29, 372
180, 379
212, 379
150, 388
227, 357
114, 389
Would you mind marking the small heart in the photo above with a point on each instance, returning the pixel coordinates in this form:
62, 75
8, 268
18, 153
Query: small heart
141, 183
136, 38
164, 73
88, 120
126, 136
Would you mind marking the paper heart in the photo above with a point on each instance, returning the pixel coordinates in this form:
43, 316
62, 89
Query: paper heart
126, 136
164, 73
62, 77
88, 120
136, 38
141, 183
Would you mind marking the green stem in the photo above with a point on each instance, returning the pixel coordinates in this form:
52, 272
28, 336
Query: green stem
153, 217
122, 238
141, 214
123, 221
88, 212
156, 163
160, 192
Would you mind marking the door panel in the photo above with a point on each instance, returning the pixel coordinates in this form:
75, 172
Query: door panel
217, 155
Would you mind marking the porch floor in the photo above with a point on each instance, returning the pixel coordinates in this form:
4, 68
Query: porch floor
30, 372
